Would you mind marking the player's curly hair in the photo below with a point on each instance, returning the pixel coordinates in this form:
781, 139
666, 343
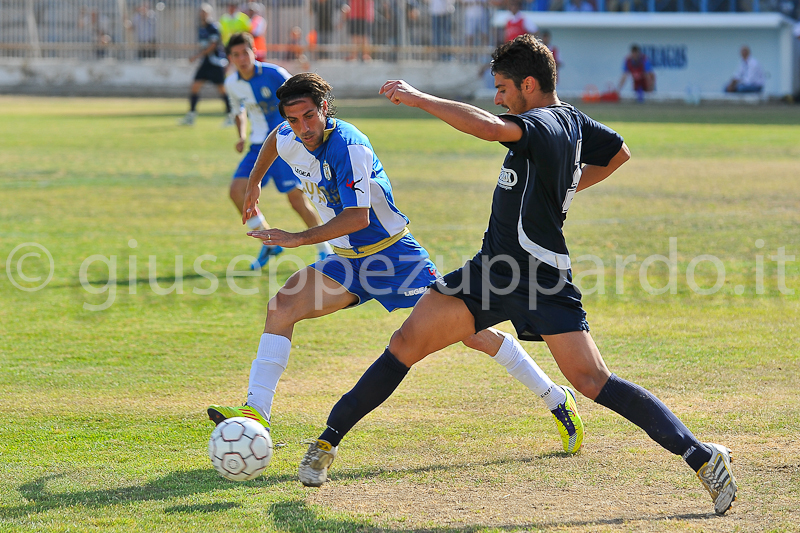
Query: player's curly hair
526, 56
306, 85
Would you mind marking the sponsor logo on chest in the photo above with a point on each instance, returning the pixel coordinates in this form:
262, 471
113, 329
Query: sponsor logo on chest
301, 172
508, 178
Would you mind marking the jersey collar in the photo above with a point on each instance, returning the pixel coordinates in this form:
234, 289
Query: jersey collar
258, 69
331, 125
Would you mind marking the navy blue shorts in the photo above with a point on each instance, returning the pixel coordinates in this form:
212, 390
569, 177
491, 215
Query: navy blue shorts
397, 277
544, 302
280, 172
209, 72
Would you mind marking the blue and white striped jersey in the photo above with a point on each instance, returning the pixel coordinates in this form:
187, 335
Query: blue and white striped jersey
344, 172
257, 96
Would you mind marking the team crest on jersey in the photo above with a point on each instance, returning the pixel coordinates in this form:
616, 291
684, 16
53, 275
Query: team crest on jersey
265, 92
326, 170
507, 179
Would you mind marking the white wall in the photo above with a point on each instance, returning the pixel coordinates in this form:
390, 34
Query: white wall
704, 48
172, 78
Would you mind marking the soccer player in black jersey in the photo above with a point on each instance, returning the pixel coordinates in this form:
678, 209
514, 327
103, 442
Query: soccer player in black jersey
522, 272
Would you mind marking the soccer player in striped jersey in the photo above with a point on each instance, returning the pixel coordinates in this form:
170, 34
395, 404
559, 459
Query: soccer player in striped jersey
251, 90
522, 272
375, 255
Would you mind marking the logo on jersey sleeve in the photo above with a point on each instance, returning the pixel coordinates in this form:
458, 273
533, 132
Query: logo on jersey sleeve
284, 129
353, 185
507, 179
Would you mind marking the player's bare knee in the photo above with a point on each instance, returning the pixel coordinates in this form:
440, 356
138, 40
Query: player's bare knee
280, 312
476, 343
588, 384
399, 345
487, 341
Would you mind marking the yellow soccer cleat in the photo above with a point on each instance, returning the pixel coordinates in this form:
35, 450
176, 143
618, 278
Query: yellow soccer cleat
313, 470
569, 422
218, 413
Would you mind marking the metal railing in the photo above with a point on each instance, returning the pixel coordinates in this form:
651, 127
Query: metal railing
313, 30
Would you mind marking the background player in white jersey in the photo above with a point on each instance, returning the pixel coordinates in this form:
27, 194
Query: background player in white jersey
376, 256
522, 272
251, 90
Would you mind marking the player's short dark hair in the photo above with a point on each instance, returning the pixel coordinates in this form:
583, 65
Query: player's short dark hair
306, 85
240, 38
526, 56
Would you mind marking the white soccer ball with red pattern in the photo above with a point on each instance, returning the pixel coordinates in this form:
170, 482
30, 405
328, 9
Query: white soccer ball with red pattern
240, 449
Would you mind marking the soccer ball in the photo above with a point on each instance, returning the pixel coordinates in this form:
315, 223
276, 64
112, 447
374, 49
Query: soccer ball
240, 448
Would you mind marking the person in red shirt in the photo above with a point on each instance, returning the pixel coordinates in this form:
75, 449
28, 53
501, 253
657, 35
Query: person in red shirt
360, 16
518, 24
258, 29
638, 66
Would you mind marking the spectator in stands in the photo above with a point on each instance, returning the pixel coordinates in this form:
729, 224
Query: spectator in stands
476, 22
518, 25
98, 28
387, 26
545, 37
796, 32
325, 13
296, 48
258, 29
442, 25
143, 23
578, 5
212, 67
360, 16
749, 77
638, 66
418, 34
233, 21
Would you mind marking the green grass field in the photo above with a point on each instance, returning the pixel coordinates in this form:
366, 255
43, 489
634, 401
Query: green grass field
104, 426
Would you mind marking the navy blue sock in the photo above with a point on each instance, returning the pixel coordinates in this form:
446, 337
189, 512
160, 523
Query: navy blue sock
227, 104
378, 383
193, 99
649, 413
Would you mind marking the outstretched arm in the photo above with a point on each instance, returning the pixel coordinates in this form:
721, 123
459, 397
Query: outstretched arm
593, 174
348, 221
463, 117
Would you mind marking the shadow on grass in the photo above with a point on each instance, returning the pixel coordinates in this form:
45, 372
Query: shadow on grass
373, 472
202, 508
298, 517
173, 485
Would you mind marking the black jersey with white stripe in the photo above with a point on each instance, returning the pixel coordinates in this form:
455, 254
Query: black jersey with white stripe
538, 181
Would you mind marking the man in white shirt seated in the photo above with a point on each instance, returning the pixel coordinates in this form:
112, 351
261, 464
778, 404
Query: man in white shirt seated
749, 77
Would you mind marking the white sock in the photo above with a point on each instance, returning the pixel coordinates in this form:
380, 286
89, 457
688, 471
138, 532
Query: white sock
267, 368
324, 247
520, 365
257, 222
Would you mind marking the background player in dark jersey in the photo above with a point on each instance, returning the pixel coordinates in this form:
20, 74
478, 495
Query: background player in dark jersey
554, 151
212, 68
